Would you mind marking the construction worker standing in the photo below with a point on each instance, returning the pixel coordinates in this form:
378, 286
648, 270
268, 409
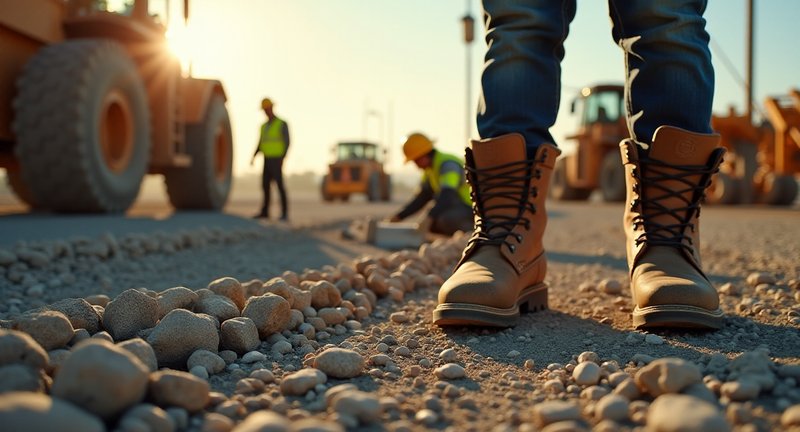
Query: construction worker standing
443, 181
273, 143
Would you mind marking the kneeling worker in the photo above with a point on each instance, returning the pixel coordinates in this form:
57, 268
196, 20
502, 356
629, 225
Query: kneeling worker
443, 181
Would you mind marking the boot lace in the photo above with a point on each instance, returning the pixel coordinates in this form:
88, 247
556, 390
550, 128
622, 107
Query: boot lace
656, 179
505, 186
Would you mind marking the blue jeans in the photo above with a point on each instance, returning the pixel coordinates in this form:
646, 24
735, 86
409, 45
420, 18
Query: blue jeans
669, 77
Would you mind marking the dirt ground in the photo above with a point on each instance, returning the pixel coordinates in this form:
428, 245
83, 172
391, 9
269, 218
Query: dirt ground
508, 372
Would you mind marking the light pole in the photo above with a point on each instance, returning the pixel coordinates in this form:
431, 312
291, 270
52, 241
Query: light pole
469, 36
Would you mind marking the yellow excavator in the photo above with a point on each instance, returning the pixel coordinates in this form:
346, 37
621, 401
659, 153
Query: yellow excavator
93, 100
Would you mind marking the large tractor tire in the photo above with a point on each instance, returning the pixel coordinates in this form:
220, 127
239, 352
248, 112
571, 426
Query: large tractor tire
206, 183
374, 187
560, 190
323, 190
780, 190
386, 189
82, 126
724, 189
612, 178
20, 189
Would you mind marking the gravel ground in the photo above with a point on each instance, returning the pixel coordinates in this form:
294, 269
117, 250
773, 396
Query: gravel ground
364, 356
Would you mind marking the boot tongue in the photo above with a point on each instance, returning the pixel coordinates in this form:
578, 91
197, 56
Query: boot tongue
498, 151
493, 152
676, 146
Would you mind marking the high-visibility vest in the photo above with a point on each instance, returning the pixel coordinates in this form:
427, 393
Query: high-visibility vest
434, 177
272, 142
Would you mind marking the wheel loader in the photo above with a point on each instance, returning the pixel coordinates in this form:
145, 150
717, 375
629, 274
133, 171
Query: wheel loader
91, 101
356, 170
763, 160
595, 163
761, 164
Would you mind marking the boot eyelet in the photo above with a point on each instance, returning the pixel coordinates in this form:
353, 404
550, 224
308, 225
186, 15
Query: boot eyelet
512, 248
519, 238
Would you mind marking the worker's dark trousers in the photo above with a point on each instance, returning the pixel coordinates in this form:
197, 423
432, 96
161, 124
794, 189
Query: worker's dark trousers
458, 218
273, 172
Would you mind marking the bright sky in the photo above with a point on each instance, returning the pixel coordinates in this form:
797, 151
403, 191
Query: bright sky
380, 69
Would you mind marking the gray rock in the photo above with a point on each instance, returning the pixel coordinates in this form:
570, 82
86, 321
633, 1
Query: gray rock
179, 334
155, 418
586, 373
170, 388
175, 298
667, 375
612, 407
79, 312
264, 421
142, 350
210, 361
450, 371
340, 363
269, 312
36, 412
128, 313
325, 294
300, 382
102, 378
361, 405
220, 307
742, 390
101, 300
230, 288
695, 415
50, 329
300, 299
19, 377
20, 348
791, 417
239, 334
554, 411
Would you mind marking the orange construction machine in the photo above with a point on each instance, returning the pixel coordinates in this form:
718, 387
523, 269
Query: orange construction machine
91, 101
357, 169
763, 160
761, 165
596, 162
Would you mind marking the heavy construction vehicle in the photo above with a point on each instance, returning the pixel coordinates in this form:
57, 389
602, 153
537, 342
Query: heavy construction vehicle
763, 160
596, 162
357, 169
91, 101
761, 164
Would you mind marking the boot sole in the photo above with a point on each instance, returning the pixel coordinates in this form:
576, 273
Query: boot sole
532, 299
677, 316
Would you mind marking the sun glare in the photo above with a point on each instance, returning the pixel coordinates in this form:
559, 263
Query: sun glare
181, 44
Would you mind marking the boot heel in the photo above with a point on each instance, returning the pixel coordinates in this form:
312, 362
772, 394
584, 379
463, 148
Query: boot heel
533, 299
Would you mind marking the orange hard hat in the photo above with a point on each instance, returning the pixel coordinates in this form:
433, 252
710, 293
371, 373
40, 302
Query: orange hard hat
416, 146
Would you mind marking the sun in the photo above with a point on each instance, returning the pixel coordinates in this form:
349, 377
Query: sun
181, 44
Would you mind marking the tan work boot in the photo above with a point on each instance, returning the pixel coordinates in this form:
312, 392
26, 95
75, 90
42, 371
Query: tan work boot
666, 185
503, 266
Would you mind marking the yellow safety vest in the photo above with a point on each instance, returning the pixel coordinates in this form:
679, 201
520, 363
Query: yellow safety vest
272, 142
437, 180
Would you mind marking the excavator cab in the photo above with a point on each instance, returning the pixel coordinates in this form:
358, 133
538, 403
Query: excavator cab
600, 116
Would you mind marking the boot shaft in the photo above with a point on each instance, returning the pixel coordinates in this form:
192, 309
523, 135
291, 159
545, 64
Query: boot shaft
665, 186
509, 193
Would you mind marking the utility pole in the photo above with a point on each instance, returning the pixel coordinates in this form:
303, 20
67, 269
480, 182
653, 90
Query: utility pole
469, 36
749, 77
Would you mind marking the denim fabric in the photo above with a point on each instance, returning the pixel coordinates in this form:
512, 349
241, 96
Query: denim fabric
669, 77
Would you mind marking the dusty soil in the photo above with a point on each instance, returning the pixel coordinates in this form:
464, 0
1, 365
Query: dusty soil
509, 374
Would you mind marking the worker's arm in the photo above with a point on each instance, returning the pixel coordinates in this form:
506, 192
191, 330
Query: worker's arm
286, 139
258, 146
451, 175
424, 195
